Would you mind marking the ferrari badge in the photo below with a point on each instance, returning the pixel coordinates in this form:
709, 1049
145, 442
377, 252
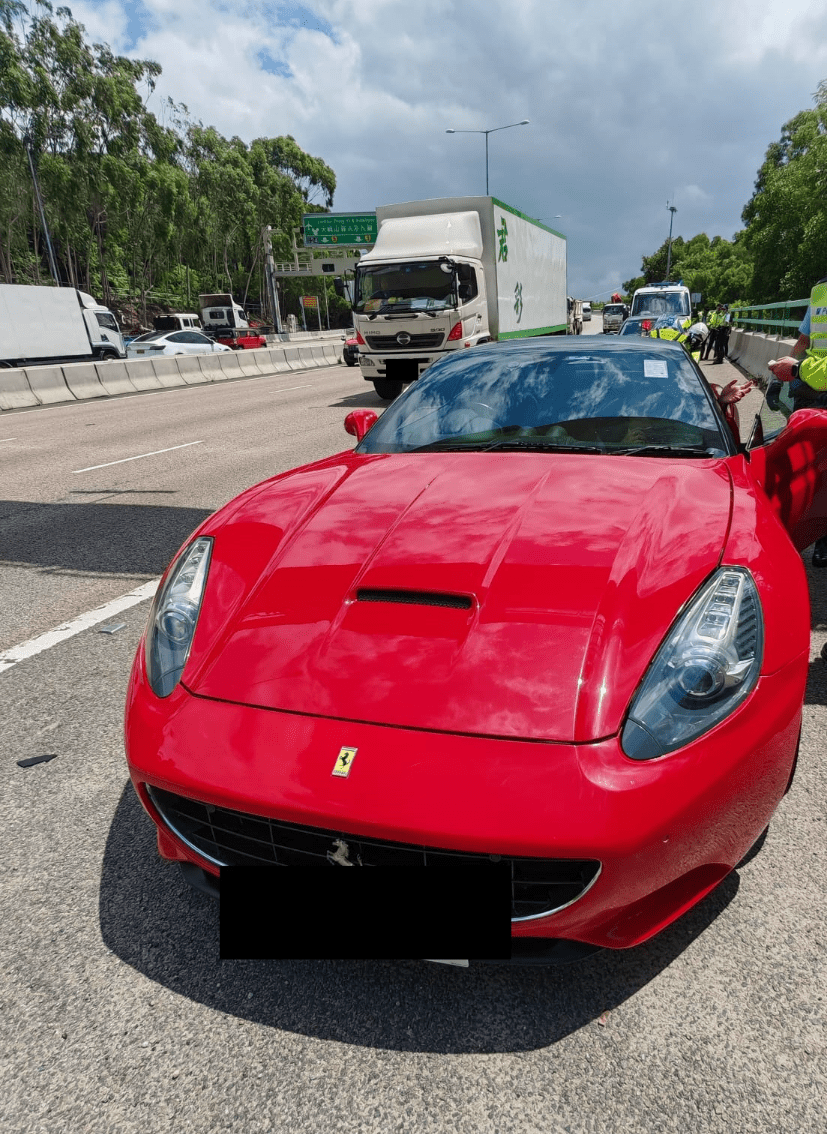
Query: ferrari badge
344, 761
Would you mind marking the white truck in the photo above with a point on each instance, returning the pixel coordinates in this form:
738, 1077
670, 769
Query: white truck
661, 299
225, 321
40, 325
448, 274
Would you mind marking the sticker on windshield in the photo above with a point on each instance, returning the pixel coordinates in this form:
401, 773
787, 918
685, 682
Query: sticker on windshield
654, 368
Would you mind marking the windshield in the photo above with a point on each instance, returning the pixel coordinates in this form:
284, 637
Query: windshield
638, 326
613, 309
413, 286
661, 303
595, 401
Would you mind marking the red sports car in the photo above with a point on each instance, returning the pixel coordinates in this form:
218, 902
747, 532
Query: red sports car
549, 611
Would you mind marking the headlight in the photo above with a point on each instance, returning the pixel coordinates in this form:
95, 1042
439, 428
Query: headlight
173, 617
706, 667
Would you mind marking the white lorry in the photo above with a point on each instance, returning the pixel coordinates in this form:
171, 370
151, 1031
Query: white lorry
448, 274
662, 299
39, 325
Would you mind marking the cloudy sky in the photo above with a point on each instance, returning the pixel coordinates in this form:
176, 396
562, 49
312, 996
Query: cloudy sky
631, 104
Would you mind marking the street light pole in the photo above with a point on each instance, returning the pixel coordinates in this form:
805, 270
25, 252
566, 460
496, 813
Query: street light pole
672, 211
27, 143
525, 122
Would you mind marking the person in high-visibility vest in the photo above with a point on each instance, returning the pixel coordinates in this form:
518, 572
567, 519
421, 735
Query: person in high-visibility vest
806, 371
713, 322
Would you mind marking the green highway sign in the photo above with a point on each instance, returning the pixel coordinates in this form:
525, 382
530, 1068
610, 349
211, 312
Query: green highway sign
339, 228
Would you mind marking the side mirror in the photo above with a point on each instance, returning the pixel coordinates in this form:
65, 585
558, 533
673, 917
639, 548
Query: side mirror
358, 422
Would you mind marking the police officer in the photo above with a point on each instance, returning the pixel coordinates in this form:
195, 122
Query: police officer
806, 371
715, 320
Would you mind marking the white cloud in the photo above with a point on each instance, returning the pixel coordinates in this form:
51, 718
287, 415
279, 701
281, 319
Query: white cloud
626, 109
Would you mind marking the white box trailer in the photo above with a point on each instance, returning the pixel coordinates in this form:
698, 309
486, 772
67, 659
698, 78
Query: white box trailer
448, 274
55, 324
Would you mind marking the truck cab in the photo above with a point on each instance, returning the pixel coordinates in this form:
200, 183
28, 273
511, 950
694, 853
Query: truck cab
105, 337
414, 302
224, 320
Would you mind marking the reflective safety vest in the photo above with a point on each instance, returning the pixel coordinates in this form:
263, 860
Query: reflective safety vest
716, 319
813, 368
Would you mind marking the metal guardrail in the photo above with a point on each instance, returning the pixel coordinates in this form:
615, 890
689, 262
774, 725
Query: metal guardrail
758, 318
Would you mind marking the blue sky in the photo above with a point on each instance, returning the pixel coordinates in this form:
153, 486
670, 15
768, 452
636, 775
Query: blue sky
631, 105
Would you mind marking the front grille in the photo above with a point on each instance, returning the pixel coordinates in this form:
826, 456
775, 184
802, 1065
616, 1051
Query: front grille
417, 342
414, 598
230, 838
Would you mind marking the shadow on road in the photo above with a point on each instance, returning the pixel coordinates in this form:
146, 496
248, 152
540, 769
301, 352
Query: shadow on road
154, 922
365, 399
113, 539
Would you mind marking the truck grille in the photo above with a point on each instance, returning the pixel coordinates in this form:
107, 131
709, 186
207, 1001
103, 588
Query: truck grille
539, 886
416, 342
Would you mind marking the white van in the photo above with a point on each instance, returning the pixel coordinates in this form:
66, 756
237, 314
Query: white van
177, 322
587, 311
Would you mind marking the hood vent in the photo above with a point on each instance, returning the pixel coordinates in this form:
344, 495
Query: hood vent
414, 598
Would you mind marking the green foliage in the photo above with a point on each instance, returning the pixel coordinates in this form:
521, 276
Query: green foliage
133, 205
786, 217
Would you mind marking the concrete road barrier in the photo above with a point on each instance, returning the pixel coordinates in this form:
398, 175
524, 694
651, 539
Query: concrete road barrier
318, 355
114, 377
278, 363
333, 352
254, 363
293, 358
15, 391
189, 369
141, 374
210, 365
166, 371
82, 379
230, 364
48, 384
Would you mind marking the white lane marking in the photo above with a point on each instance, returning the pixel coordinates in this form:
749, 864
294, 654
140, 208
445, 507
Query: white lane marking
9, 658
2, 439
139, 457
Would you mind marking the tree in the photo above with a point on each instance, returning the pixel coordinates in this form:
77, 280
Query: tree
786, 217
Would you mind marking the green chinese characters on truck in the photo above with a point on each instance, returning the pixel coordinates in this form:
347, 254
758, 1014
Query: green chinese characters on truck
502, 233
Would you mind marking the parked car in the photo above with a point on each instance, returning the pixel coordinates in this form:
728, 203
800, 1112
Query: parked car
638, 327
553, 611
587, 311
350, 351
155, 343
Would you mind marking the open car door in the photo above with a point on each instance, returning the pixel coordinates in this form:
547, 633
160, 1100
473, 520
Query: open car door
791, 467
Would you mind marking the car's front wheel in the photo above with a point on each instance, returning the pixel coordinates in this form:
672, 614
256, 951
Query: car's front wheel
387, 388
349, 360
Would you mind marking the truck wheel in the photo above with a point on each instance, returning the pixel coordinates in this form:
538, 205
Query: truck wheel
107, 356
349, 361
387, 388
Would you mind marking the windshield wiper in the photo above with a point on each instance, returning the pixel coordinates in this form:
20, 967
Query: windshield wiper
539, 446
666, 450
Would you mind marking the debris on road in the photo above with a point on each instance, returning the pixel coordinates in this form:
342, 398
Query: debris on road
32, 760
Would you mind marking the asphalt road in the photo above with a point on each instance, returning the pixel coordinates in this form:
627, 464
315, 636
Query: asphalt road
118, 1015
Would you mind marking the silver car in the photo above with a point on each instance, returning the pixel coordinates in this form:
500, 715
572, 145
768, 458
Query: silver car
157, 343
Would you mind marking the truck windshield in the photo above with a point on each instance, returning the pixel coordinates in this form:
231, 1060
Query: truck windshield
661, 303
412, 286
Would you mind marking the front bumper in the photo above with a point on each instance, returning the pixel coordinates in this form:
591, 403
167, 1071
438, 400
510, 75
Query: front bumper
382, 366
665, 832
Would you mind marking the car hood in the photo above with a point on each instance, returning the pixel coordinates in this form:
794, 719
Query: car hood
544, 584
